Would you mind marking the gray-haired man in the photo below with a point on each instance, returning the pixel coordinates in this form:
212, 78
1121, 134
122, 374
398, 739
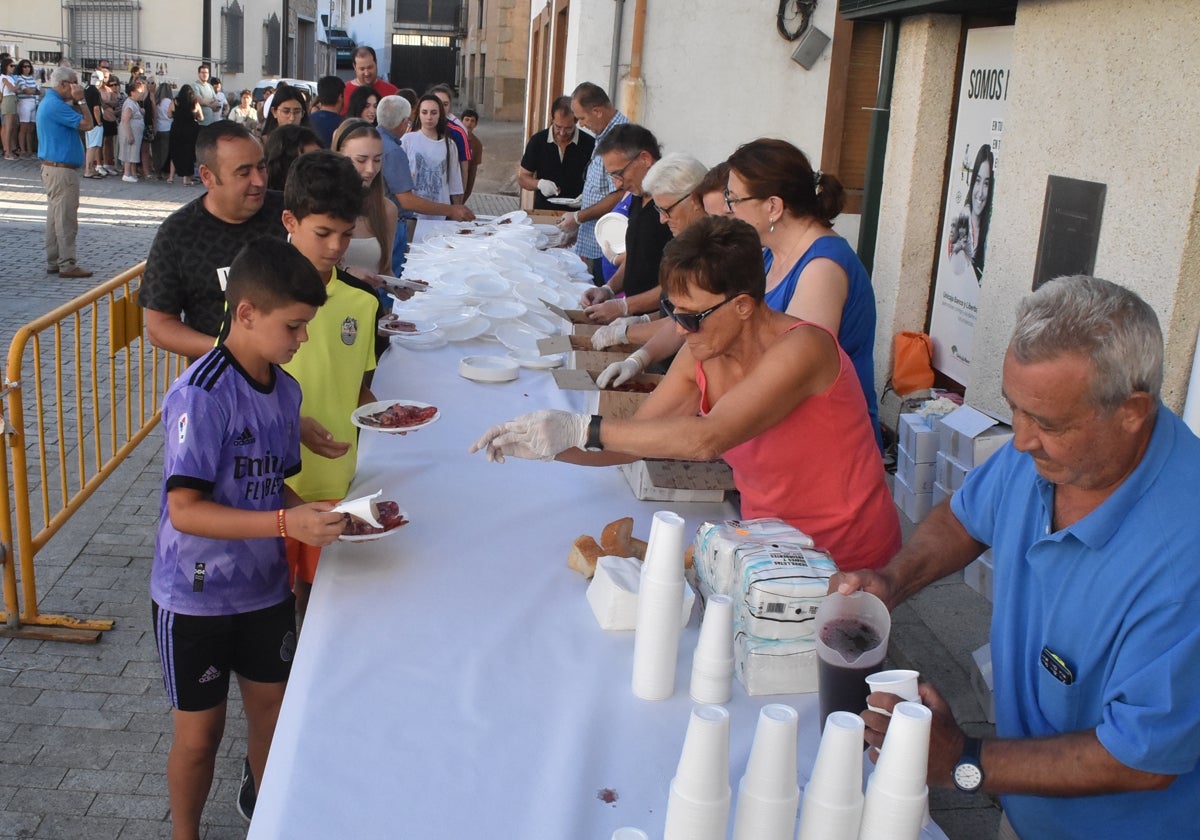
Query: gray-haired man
60, 117
1091, 516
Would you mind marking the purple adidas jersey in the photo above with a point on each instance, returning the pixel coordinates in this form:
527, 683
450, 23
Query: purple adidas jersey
235, 440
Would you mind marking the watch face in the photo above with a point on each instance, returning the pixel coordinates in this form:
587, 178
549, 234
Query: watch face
968, 777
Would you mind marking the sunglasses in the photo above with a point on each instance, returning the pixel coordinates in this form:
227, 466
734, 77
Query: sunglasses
690, 321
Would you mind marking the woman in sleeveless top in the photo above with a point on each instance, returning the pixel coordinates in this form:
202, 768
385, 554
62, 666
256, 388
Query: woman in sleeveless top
775, 396
370, 251
185, 125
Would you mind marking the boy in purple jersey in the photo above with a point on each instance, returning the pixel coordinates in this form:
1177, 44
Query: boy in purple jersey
219, 584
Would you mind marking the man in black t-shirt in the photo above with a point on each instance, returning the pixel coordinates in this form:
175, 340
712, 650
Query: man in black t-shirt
183, 287
628, 152
556, 158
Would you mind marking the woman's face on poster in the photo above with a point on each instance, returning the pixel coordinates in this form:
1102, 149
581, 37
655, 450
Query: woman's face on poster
981, 189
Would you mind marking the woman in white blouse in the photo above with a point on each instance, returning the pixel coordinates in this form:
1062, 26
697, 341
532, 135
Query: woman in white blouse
433, 157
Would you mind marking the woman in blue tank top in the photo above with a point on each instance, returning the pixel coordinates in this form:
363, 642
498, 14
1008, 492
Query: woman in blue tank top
812, 273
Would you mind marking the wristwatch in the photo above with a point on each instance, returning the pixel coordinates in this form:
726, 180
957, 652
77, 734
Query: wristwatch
593, 444
968, 773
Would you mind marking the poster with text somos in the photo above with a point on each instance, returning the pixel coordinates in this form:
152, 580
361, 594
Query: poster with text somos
975, 161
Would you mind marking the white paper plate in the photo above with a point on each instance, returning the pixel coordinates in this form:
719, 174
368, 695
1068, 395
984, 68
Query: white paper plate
456, 317
430, 341
550, 362
487, 285
380, 535
467, 330
390, 282
488, 368
419, 327
520, 338
374, 408
542, 323
500, 308
577, 201
610, 231
516, 217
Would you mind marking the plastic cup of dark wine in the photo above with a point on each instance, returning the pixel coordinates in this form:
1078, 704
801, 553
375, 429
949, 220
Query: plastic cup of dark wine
852, 637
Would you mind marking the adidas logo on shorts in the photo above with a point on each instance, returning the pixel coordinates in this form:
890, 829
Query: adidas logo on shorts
211, 674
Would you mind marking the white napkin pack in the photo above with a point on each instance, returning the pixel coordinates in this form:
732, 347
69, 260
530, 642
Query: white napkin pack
612, 594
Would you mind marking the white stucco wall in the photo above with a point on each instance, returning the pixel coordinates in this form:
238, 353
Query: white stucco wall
1096, 98
716, 74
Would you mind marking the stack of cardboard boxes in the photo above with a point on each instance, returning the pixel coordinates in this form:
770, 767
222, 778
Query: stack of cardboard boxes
934, 456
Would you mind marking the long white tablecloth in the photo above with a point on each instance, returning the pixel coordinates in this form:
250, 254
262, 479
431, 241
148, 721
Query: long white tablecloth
451, 681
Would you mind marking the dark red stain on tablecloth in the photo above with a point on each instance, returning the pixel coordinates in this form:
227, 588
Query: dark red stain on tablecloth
607, 795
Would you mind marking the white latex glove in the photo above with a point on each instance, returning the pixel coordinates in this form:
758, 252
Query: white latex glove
547, 188
595, 295
607, 312
537, 436
569, 222
609, 253
618, 373
616, 332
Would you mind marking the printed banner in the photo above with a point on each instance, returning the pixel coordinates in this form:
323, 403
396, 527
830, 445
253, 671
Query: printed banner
978, 129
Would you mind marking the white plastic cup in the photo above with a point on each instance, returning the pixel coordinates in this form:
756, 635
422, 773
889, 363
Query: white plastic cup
889, 817
712, 663
768, 794
660, 603
630, 833
698, 805
833, 798
904, 759
664, 551
901, 682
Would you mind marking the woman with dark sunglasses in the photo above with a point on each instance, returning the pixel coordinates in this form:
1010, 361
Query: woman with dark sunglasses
27, 103
774, 396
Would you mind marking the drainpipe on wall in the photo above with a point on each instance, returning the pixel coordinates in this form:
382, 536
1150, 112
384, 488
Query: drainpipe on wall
634, 86
615, 61
877, 147
284, 64
206, 30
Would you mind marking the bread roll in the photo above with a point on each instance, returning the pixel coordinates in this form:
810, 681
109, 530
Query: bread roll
616, 536
585, 551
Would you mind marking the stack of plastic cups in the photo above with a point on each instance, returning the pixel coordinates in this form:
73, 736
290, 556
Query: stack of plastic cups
897, 791
768, 794
698, 807
660, 603
712, 664
833, 797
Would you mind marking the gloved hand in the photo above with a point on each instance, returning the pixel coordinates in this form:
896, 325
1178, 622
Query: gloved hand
618, 373
537, 436
599, 294
569, 222
547, 188
609, 253
607, 312
616, 332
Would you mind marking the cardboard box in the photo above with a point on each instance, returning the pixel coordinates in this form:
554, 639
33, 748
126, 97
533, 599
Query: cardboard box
607, 402
678, 481
972, 436
912, 504
981, 681
918, 438
918, 476
979, 574
575, 316
948, 472
939, 495
582, 353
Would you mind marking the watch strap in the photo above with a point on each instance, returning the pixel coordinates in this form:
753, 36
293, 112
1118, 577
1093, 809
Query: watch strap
592, 443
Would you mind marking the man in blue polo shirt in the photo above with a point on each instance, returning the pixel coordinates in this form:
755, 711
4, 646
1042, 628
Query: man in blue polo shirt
1091, 516
60, 118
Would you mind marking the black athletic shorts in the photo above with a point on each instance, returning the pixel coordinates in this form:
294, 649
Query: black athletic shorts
199, 652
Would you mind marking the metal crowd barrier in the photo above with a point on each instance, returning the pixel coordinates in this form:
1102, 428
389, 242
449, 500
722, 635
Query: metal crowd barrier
82, 388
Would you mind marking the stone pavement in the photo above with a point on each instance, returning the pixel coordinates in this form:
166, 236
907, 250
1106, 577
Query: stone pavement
84, 730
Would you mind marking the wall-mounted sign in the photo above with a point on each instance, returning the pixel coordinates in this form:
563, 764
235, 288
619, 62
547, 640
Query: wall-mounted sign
975, 163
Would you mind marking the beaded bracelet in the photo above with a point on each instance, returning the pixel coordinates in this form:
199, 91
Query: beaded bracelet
282, 517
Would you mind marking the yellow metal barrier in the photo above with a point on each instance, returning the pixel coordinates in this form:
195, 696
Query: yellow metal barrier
94, 383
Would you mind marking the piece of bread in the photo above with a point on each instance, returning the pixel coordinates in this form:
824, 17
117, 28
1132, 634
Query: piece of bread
688, 556
616, 536
635, 548
585, 551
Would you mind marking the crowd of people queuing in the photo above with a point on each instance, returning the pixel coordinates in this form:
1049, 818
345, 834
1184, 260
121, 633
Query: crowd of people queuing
735, 283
